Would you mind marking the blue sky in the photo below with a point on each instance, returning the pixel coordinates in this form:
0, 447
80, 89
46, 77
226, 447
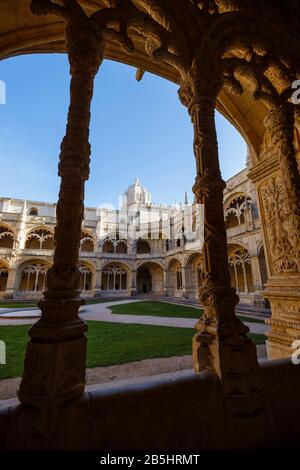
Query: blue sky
137, 129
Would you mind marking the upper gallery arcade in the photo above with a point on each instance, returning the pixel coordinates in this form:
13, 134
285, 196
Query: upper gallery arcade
225, 55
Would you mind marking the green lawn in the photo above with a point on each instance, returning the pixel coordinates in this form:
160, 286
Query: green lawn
17, 304
109, 343
14, 304
164, 309
250, 319
157, 309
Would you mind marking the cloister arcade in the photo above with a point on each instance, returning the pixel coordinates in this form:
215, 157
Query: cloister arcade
150, 278
31, 278
40, 239
193, 269
235, 210
240, 269
110, 245
115, 279
3, 276
174, 278
6, 237
87, 242
223, 54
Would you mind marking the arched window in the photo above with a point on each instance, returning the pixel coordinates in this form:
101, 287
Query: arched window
114, 278
121, 247
240, 270
33, 277
142, 247
174, 277
87, 243
33, 211
193, 274
235, 211
40, 239
6, 237
3, 277
263, 266
108, 246
86, 278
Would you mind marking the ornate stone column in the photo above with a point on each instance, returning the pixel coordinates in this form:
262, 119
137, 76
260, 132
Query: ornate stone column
258, 300
221, 343
11, 284
279, 197
54, 369
165, 289
133, 289
183, 277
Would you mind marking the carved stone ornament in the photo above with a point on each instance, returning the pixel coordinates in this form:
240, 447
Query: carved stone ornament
282, 225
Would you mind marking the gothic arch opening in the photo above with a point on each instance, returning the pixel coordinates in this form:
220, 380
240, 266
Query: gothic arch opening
174, 278
150, 278
143, 247
3, 276
7, 237
87, 273
193, 270
115, 279
240, 269
40, 239
32, 276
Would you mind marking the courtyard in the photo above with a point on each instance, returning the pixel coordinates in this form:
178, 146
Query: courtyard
149, 225
143, 338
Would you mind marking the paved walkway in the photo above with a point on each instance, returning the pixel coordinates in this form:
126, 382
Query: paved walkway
102, 312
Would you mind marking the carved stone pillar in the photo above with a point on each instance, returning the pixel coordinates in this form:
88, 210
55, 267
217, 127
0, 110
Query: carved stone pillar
279, 198
258, 299
133, 289
183, 277
11, 284
222, 343
165, 290
54, 369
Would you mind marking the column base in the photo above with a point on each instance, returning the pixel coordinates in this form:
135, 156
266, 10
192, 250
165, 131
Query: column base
54, 367
8, 294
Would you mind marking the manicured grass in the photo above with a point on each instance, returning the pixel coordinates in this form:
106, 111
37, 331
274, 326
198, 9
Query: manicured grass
13, 304
116, 343
164, 309
257, 339
157, 309
17, 304
109, 343
99, 301
250, 319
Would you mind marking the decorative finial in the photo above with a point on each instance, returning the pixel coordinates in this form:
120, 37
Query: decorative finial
186, 201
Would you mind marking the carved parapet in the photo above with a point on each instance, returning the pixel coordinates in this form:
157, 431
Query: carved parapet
281, 226
54, 367
223, 346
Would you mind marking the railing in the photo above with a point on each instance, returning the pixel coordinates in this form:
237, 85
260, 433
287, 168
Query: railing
36, 252
5, 251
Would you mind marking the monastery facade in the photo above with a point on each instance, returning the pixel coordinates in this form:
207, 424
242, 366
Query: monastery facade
123, 254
